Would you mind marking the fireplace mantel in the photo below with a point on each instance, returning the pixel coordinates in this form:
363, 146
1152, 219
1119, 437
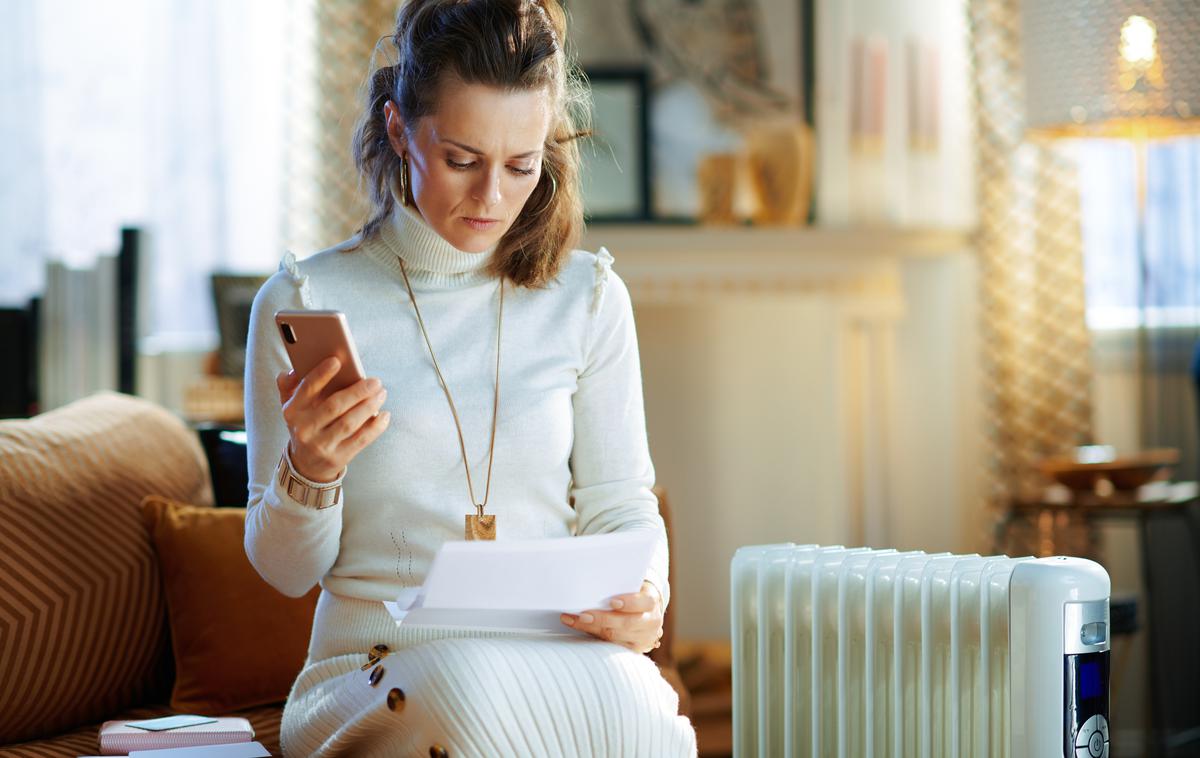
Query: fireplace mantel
668, 263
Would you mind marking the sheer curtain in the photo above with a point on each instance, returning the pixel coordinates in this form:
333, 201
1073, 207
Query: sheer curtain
1036, 352
168, 115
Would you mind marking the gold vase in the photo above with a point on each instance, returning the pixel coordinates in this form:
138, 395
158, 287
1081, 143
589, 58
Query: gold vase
780, 163
716, 178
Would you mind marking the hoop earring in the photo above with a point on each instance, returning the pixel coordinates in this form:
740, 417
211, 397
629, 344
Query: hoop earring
403, 180
553, 192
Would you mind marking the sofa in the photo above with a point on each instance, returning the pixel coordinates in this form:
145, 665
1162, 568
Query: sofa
90, 584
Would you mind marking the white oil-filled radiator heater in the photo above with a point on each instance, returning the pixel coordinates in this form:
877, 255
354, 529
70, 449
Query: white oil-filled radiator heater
860, 653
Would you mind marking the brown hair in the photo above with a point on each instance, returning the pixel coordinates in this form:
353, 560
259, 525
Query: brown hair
508, 44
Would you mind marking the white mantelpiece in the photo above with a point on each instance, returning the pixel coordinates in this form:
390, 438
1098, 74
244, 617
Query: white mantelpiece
667, 263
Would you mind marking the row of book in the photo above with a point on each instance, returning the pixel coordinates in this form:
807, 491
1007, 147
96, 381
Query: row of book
195, 737
86, 326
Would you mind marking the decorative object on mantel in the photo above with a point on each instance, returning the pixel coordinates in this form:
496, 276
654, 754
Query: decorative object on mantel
1100, 469
780, 166
895, 117
717, 180
718, 45
872, 189
748, 82
616, 157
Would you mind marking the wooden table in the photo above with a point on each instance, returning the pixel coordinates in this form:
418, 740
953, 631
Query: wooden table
1059, 504
1142, 504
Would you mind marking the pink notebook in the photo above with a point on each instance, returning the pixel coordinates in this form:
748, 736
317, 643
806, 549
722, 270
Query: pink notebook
118, 739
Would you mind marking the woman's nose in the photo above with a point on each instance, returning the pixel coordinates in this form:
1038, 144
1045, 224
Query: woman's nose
488, 191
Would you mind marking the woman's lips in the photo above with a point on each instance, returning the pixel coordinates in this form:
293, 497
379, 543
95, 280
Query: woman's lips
480, 225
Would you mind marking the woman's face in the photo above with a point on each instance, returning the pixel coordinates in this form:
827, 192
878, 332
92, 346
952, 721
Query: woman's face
473, 163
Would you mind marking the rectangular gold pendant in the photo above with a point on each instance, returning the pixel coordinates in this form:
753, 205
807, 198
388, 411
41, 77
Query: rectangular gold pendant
481, 527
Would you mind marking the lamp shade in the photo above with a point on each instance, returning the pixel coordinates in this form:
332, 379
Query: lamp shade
1115, 68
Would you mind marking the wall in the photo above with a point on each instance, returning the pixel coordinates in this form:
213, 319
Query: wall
743, 439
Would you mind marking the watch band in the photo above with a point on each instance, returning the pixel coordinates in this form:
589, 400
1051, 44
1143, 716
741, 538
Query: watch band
303, 492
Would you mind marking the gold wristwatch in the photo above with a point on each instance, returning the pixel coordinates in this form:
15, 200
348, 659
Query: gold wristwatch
303, 492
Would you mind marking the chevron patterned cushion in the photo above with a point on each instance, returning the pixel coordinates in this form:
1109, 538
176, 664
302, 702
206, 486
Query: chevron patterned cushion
82, 617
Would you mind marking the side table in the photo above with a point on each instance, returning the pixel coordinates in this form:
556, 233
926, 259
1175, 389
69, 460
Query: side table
1168, 521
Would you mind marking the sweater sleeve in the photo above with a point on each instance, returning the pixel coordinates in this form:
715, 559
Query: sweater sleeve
290, 545
612, 474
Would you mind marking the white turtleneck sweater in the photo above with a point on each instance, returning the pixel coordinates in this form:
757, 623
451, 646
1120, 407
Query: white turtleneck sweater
571, 419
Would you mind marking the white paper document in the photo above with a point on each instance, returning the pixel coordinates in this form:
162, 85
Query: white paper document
523, 585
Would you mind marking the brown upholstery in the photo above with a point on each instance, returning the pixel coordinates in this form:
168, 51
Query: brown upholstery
83, 631
82, 620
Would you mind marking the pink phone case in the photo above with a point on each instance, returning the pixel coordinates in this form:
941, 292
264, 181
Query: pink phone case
312, 336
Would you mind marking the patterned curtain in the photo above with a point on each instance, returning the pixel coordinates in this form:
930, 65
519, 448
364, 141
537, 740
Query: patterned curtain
1036, 346
340, 42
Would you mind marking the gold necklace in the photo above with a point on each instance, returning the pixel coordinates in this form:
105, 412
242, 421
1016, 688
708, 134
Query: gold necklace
478, 526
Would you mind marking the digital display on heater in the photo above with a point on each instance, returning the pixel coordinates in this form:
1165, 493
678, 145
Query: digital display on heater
1089, 680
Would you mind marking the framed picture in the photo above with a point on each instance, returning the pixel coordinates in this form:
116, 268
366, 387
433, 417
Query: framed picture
723, 70
233, 294
616, 178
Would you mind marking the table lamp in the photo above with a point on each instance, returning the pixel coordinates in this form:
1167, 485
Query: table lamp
1125, 69
1111, 68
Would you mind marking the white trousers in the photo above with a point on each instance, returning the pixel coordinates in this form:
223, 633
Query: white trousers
473, 695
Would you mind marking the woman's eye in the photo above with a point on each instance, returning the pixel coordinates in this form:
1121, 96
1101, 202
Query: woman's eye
464, 166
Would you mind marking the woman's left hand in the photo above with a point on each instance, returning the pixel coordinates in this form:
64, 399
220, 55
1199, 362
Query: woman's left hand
636, 621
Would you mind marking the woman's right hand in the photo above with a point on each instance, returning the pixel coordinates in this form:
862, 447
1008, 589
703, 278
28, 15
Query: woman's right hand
326, 433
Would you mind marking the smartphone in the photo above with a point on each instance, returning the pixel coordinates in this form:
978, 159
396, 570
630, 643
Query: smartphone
312, 336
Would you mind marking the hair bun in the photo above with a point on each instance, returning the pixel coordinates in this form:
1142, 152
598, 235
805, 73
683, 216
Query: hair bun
555, 15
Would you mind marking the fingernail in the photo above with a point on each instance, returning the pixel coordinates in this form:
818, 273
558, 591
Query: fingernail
618, 604
586, 618
374, 384
568, 620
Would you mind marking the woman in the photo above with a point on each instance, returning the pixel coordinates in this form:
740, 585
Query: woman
467, 147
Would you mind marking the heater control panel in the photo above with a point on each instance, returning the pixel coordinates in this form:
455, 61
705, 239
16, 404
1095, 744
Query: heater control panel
1086, 691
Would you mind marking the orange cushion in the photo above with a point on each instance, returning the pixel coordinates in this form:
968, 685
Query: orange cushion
238, 642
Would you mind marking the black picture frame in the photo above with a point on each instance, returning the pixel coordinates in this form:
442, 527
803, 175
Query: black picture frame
808, 82
616, 178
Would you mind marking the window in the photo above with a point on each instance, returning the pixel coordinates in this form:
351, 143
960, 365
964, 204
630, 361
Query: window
171, 116
1167, 293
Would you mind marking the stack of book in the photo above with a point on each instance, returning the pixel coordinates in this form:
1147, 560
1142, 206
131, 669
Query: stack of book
156, 738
